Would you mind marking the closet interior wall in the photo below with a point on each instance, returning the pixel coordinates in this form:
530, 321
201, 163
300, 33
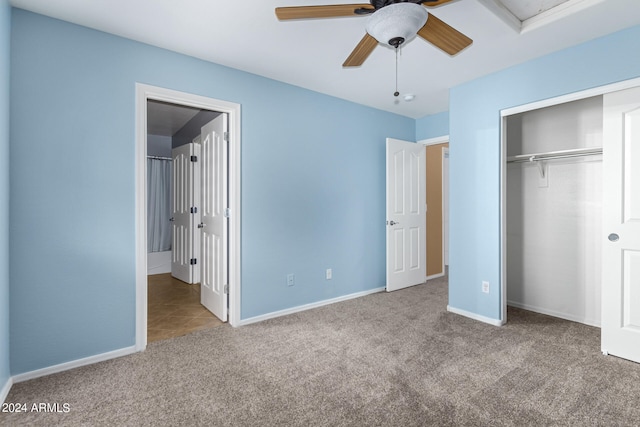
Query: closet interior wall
554, 212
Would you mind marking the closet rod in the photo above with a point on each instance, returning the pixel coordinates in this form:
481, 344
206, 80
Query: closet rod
563, 154
159, 158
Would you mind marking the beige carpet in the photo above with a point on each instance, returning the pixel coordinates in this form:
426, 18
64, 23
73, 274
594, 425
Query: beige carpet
395, 359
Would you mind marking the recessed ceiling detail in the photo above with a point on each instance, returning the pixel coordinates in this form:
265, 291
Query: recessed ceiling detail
526, 9
525, 15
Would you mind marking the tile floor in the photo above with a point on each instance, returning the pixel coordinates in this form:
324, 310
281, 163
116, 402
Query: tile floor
174, 308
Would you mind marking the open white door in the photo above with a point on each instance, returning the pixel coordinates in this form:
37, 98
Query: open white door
621, 225
406, 214
184, 217
214, 253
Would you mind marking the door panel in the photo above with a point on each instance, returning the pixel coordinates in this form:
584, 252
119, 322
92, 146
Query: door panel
631, 152
621, 225
631, 292
215, 224
406, 240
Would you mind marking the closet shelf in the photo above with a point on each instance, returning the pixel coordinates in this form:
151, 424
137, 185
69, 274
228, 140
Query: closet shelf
561, 154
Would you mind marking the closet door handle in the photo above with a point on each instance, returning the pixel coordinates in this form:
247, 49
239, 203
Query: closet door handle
613, 237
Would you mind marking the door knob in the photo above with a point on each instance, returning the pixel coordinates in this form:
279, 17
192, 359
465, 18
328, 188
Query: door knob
393, 223
613, 237
201, 225
171, 219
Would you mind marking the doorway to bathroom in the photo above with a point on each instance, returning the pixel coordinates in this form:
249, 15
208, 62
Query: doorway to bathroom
207, 237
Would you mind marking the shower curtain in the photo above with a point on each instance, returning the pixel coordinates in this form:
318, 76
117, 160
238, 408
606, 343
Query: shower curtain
158, 205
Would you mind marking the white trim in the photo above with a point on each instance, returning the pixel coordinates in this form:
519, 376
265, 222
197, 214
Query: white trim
503, 219
74, 364
143, 93
474, 316
444, 139
444, 153
141, 219
4, 392
435, 276
558, 12
304, 307
575, 96
590, 322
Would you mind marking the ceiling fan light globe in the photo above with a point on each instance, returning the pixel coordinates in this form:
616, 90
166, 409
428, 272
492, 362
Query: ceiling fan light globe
397, 20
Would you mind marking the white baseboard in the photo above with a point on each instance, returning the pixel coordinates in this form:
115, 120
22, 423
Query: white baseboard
4, 392
474, 316
73, 364
304, 307
565, 316
435, 276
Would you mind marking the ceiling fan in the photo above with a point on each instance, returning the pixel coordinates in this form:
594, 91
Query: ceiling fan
390, 22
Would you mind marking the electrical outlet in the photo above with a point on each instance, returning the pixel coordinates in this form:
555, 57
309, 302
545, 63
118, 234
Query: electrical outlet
485, 287
328, 274
291, 280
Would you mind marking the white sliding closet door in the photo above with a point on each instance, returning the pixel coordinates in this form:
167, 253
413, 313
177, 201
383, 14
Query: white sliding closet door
621, 212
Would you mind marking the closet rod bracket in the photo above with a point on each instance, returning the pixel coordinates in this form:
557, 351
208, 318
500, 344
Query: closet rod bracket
541, 166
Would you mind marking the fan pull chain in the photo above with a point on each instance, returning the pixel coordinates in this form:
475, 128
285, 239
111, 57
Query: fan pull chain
396, 93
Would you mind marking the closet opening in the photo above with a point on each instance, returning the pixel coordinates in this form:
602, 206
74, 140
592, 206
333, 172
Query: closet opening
570, 211
552, 205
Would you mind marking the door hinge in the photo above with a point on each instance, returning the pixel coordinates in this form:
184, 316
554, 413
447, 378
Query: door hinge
226, 288
194, 209
193, 261
225, 136
227, 213
194, 158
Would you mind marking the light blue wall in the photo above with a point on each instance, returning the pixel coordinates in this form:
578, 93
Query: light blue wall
475, 151
313, 191
5, 35
432, 126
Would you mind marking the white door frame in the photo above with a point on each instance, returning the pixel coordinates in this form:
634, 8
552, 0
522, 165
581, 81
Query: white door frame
445, 208
504, 114
146, 92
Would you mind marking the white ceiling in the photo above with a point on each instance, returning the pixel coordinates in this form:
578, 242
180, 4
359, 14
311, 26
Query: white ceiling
309, 53
525, 9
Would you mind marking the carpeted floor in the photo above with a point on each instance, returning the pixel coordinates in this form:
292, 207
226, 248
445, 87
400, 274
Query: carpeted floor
396, 359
